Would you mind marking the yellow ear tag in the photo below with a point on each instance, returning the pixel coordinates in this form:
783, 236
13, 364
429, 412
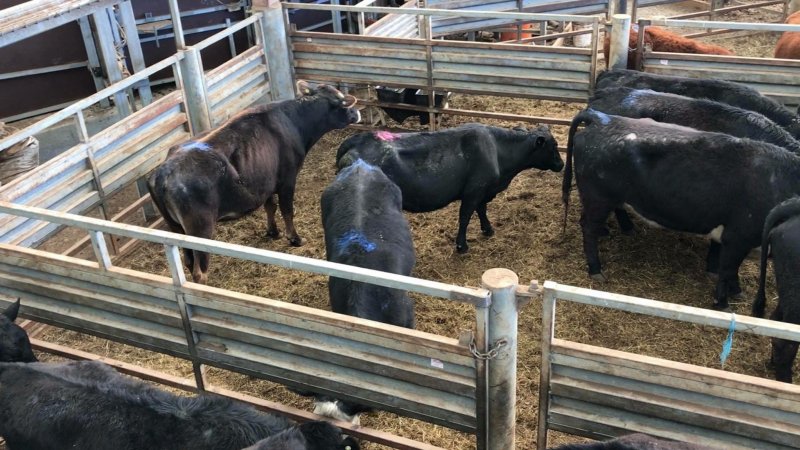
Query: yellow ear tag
307, 91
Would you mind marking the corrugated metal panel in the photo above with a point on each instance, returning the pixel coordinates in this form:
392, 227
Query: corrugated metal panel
623, 394
355, 359
123, 152
474, 67
777, 79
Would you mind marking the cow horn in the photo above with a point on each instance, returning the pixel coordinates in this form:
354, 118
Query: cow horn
303, 87
349, 101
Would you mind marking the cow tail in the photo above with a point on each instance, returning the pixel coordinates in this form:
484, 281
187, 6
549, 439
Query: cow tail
566, 184
153, 183
778, 215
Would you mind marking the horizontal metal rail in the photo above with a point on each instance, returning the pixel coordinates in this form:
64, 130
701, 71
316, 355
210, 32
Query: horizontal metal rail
663, 21
445, 12
227, 32
718, 319
88, 101
477, 297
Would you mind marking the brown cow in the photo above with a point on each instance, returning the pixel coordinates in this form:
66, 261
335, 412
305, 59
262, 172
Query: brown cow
788, 46
661, 40
238, 167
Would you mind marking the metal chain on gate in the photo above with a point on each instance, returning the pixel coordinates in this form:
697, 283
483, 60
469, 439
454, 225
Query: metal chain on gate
493, 350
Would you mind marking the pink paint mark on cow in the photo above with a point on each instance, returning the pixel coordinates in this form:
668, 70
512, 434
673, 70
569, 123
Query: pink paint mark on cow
386, 135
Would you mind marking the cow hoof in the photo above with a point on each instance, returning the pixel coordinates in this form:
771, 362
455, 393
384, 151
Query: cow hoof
489, 232
273, 234
296, 241
461, 249
737, 296
598, 277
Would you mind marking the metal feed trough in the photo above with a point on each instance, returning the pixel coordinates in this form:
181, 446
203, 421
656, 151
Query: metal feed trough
434, 378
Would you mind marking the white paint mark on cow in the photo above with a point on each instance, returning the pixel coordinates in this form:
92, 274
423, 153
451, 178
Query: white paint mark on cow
716, 234
331, 409
631, 137
358, 116
195, 145
437, 363
644, 219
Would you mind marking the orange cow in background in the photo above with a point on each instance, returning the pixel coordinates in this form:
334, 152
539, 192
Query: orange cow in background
661, 40
788, 46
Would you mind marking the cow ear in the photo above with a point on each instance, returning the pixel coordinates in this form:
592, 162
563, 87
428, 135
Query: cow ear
12, 311
349, 101
303, 88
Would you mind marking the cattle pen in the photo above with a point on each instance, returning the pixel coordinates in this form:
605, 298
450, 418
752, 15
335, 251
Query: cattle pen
460, 382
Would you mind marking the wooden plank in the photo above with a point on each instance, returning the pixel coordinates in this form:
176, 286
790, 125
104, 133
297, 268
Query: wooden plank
257, 91
302, 49
234, 87
300, 415
219, 73
400, 69
334, 350
77, 201
754, 62
391, 395
470, 75
528, 63
339, 325
737, 422
598, 417
93, 296
512, 91
760, 391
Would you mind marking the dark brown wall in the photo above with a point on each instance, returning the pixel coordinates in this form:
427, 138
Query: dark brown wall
58, 46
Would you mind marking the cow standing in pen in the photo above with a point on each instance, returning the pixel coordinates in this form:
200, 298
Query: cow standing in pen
781, 237
472, 163
718, 90
679, 178
89, 406
14, 343
364, 226
788, 46
661, 40
240, 166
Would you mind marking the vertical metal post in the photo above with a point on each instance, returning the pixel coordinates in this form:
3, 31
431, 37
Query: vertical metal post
595, 45
178, 280
548, 328
613, 8
91, 55
195, 93
336, 17
620, 35
108, 54
100, 249
482, 383
231, 40
276, 47
502, 357
128, 23
177, 25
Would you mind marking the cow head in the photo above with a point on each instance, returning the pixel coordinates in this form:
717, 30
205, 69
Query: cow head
14, 343
341, 108
542, 149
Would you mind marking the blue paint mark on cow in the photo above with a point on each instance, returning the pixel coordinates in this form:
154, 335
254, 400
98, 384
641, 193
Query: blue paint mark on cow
196, 145
604, 118
354, 238
359, 163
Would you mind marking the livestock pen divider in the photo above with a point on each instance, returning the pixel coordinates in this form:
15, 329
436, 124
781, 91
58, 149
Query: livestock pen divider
468, 386
601, 393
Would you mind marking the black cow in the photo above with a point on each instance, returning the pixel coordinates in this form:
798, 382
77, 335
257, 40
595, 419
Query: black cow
308, 436
718, 90
679, 178
782, 237
88, 406
238, 167
701, 114
634, 442
364, 226
472, 163
14, 343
